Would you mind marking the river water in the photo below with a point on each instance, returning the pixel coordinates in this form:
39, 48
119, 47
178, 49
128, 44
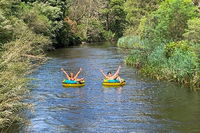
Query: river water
141, 106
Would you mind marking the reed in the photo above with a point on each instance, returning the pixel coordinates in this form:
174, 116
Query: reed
174, 61
17, 59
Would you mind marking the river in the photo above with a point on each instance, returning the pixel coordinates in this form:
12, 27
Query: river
142, 106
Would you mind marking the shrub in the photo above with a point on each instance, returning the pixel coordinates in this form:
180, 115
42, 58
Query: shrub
171, 47
169, 22
6, 28
157, 58
183, 64
94, 30
192, 34
17, 58
136, 58
130, 42
175, 62
38, 23
108, 35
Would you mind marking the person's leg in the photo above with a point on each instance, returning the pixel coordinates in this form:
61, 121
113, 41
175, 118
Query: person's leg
115, 77
81, 79
119, 78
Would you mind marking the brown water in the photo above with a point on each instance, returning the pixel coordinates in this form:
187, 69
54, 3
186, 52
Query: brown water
142, 106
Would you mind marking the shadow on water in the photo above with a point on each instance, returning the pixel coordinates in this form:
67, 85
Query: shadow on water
143, 105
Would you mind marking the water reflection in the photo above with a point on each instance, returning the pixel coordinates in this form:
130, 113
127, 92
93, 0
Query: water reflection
117, 89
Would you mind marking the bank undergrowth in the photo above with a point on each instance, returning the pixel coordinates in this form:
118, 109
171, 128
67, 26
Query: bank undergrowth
165, 43
24, 38
174, 61
18, 57
163, 36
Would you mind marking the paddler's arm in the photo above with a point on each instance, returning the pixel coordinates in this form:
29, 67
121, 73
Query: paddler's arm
65, 73
103, 73
117, 72
76, 76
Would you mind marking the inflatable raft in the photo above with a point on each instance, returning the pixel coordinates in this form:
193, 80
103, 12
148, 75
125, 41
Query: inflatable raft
70, 83
113, 82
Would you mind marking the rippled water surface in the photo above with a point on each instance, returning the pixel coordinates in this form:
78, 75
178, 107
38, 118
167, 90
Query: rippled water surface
142, 106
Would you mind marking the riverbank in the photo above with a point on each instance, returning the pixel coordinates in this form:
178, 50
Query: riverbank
18, 58
174, 61
23, 42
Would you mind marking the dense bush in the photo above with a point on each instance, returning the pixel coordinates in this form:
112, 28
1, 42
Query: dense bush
180, 66
94, 30
192, 33
6, 28
171, 47
49, 19
131, 42
16, 59
137, 58
23, 43
174, 61
172, 50
36, 21
169, 22
135, 10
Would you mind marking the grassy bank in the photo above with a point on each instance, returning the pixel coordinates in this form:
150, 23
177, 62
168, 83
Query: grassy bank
30, 27
164, 44
24, 37
18, 57
173, 61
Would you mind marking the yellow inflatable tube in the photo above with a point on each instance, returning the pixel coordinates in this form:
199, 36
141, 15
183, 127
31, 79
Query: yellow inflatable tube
67, 83
113, 83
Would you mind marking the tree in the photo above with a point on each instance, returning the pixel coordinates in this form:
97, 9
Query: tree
6, 29
192, 34
98, 20
169, 22
113, 17
87, 18
136, 10
50, 20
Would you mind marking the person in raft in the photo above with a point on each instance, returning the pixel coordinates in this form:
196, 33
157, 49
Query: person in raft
111, 76
72, 77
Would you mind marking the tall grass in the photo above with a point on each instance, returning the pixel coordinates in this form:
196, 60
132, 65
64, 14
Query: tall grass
17, 58
175, 61
130, 42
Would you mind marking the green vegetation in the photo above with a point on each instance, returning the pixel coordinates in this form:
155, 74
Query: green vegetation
23, 41
162, 35
131, 42
164, 41
136, 10
28, 28
98, 20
